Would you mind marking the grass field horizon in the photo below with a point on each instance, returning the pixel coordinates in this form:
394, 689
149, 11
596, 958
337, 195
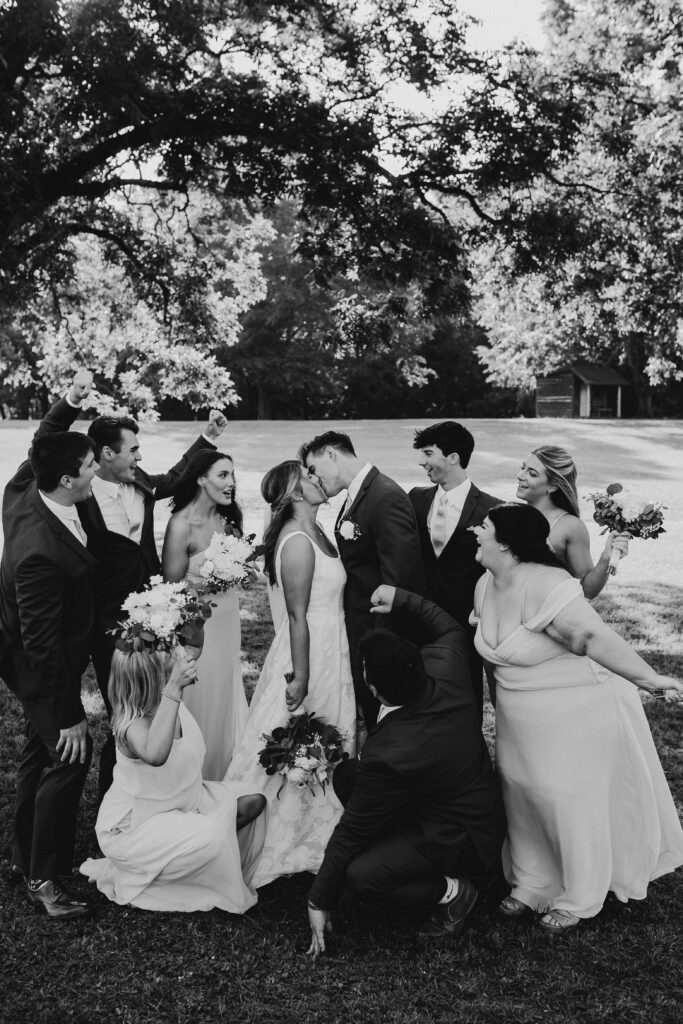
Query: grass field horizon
134, 967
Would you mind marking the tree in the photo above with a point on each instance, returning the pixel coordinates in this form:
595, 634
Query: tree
603, 277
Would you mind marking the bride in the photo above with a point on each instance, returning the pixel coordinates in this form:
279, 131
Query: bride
204, 504
311, 643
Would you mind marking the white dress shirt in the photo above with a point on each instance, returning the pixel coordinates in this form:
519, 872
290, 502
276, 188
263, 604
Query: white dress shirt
386, 709
67, 515
122, 507
455, 501
355, 485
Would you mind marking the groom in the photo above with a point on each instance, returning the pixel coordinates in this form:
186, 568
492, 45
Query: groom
376, 534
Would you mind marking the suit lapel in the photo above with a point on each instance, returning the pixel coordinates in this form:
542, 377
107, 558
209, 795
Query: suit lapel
76, 547
468, 509
372, 473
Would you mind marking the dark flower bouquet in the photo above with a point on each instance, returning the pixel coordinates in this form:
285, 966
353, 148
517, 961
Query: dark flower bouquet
304, 752
614, 510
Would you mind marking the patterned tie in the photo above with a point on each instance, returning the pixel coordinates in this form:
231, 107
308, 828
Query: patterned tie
439, 525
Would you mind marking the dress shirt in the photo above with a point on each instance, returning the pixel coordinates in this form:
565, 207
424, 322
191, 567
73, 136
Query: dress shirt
67, 515
455, 499
355, 484
122, 507
386, 709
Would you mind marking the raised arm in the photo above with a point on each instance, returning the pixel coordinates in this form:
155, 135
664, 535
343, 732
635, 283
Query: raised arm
578, 560
164, 484
66, 410
152, 741
297, 564
175, 555
413, 615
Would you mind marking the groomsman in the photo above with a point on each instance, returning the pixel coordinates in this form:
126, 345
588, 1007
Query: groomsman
423, 816
46, 615
446, 513
118, 519
376, 534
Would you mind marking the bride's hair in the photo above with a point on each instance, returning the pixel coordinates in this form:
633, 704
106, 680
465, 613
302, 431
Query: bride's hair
524, 530
561, 472
279, 487
136, 680
185, 490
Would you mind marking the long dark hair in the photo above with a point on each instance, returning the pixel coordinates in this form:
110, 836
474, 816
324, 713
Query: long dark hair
525, 531
278, 487
186, 489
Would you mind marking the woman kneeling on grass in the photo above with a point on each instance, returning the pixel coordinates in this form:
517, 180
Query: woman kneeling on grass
170, 841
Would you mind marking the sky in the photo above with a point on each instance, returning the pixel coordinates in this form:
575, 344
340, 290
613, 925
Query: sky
505, 20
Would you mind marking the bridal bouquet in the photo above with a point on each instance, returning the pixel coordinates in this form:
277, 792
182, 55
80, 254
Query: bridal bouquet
617, 511
227, 562
303, 752
162, 616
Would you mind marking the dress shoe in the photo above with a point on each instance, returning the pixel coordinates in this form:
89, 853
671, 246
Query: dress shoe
559, 922
510, 906
52, 899
447, 919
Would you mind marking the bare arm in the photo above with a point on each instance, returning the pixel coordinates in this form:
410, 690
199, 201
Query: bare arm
297, 565
175, 556
152, 741
577, 556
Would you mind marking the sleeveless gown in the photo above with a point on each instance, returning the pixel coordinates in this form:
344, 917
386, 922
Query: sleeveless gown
217, 700
300, 823
588, 806
169, 839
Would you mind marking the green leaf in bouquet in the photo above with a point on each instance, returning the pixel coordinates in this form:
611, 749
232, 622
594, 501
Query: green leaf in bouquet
614, 488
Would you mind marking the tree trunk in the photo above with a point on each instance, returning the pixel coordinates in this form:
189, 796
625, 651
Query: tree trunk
640, 385
263, 411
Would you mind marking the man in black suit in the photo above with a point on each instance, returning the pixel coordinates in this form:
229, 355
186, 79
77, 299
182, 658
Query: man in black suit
423, 814
118, 519
446, 513
376, 535
46, 615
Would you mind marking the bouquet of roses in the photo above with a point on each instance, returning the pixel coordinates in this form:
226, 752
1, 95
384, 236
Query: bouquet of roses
227, 562
304, 752
162, 616
614, 510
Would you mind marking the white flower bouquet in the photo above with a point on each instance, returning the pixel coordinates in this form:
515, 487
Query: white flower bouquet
162, 617
227, 562
615, 510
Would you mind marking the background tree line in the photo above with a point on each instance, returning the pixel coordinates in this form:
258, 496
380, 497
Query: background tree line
220, 201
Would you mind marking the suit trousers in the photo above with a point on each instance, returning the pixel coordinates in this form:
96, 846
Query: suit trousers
47, 798
103, 646
392, 871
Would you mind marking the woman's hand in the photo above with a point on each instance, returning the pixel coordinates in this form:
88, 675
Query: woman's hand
295, 693
673, 688
183, 673
616, 542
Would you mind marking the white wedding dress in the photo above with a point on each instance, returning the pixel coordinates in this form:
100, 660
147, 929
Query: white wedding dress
300, 823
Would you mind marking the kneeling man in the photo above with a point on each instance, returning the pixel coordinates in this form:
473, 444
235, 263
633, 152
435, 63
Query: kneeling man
423, 813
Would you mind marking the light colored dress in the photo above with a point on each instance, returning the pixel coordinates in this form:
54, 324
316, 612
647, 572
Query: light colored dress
300, 823
588, 806
169, 840
217, 700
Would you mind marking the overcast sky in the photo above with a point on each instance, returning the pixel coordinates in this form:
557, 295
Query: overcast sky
505, 20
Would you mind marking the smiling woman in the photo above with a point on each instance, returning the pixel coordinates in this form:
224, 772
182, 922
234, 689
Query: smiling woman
204, 505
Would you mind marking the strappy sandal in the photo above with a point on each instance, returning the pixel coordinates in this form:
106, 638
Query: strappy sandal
557, 922
510, 906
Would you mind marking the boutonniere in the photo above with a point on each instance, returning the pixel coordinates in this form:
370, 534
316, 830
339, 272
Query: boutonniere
349, 530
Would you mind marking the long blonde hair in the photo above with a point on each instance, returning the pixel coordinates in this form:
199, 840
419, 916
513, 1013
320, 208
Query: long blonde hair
136, 680
561, 472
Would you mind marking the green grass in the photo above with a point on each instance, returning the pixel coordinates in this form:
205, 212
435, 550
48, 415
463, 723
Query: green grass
141, 968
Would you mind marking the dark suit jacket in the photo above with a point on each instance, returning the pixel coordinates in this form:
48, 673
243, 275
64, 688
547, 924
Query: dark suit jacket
122, 565
46, 607
424, 773
452, 577
387, 551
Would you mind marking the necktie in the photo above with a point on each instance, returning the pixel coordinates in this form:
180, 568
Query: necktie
80, 531
439, 525
128, 519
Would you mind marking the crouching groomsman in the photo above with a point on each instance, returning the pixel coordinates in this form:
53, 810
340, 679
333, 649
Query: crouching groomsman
46, 617
423, 813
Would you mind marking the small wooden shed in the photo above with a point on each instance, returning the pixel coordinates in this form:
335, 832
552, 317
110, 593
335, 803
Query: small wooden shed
581, 389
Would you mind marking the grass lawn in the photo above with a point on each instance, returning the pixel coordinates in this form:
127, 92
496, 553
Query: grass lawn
130, 966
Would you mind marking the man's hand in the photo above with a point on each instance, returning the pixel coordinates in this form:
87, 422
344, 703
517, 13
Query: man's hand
81, 386
73, 742
383, 599
320, 922
217, 424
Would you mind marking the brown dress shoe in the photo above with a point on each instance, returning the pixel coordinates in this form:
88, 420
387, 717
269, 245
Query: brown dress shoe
448, 919
51, 899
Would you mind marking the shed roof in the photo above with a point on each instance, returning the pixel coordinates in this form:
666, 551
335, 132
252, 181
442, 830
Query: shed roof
595, 373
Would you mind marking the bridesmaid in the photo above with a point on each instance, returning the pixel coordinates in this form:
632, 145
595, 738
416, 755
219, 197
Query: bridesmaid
547, 481
204, 504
